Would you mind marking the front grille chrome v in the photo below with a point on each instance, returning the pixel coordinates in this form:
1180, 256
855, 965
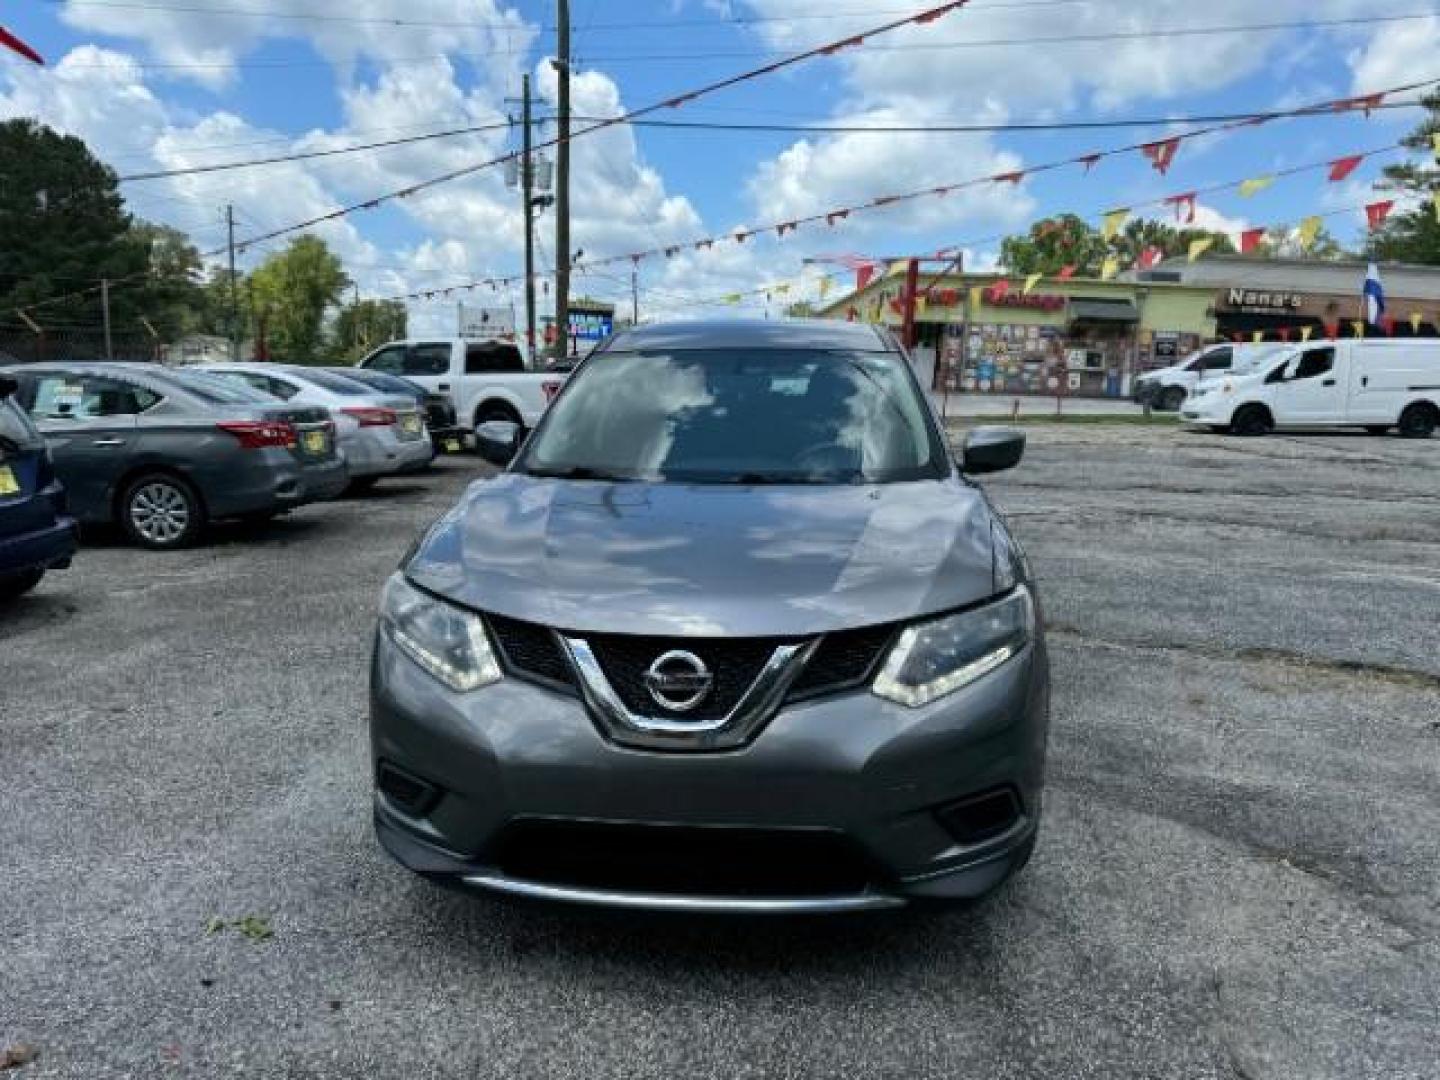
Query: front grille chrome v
737, 727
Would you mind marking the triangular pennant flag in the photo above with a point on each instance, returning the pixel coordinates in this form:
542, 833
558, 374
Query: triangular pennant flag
1110, 268
824, 286
783, 228
1199, 246
1258, 183
1377, 212
1001, 286
1357, 328
1162, 153
1031, 281
1306, 331
899, 266
1258, 336
1113, 220
740, 236
836, 215
1387, 324
920, 304
1066, 272
1332, 330
1416, 318
1009, 177
976, 295
1368, 102
1340, 168
1436, 200
1184, 206
1149, 257
782, 290
1089, 161
1309, 229
1284, 333
1250, 240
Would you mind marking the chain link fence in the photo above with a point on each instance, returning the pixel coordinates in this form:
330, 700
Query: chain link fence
75, 345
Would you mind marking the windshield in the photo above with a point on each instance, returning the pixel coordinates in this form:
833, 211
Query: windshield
216, 388
336, 384
735, 416
379, 380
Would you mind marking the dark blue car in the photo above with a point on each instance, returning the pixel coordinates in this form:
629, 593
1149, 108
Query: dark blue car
36, 532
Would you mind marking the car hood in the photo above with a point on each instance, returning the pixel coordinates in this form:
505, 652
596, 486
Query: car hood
709, 560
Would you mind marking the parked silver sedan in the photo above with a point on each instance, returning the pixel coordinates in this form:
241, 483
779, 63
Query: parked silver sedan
161, 451
380, 434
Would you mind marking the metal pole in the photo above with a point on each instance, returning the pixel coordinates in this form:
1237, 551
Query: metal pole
527, 196
562, 177
105, 309
634, 296
234, 301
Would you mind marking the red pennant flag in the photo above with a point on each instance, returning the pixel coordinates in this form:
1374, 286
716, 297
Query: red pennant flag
1387, 323
783, 228
863, 274
1285, 333
1367, 103
1162, 153
1001, 287
704, 245
10, 41
1184, 204
1332, 330
1250, 240
1009, 177
1340, 168
850, 315
1237, 337
1377, 212
671, 252
1066, 273
897, 307
740, 237
1149, 257
831, 50
884, 200
1089, 161
949, 297
836, 215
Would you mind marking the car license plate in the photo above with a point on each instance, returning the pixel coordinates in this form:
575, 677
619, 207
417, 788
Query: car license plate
315, 442
452, 446
9, 485
410, 425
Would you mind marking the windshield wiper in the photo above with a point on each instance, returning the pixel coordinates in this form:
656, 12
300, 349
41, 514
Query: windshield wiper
577, 472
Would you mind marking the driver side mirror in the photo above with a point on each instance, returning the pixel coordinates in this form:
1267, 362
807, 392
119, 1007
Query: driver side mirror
991, 450
9, 387
498, 441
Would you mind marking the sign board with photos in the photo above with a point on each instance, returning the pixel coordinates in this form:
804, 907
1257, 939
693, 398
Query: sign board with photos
1002, 357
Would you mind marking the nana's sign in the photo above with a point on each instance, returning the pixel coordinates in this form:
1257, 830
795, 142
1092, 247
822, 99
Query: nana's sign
996, 296
1262, 300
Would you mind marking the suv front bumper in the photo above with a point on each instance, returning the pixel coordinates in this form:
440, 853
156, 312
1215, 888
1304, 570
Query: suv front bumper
870, 775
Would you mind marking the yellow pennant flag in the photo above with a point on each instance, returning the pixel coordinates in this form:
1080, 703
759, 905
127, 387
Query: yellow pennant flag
920, 302
732, 298
1309, 229
975, 294
1259, 183
1359, 327
1109, 268
781, 290
1200, 246
1258, 336
1416, 318
824, 286
1305, 332
1031, 281
1435, 141
1113, 220
899, 266
1436, 199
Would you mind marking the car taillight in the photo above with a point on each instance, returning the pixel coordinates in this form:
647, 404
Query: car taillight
255, 434
368, 417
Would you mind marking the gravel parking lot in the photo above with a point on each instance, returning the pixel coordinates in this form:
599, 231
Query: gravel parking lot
1238, 876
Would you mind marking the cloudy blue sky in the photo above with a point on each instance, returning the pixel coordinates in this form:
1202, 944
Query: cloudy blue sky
158, 84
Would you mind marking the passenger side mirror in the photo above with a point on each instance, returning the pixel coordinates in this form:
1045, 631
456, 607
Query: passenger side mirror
498, 441
8, 387
991, 449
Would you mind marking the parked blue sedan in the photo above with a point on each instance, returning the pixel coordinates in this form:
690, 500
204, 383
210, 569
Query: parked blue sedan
36, 531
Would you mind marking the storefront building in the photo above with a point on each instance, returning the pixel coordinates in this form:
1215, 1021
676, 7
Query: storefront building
1289, 299
982, 333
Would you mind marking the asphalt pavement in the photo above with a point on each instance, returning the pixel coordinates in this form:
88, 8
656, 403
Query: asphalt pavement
1238, 875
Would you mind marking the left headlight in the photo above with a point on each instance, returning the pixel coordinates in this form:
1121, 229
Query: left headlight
936, 658
448, 642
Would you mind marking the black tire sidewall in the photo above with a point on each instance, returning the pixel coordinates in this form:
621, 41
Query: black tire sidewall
192, 502
1171, 399
1249, 420
14, 586
1418, 422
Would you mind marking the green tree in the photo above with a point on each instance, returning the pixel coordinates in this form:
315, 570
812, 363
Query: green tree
361, 326
291, 291
171, 297
1055, 242
1414, 235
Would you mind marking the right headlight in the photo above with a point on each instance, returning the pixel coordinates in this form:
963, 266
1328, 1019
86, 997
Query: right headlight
448, 642
935, 658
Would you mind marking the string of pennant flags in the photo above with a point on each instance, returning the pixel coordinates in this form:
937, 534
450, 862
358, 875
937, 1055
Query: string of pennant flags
1111, 222
1160, 154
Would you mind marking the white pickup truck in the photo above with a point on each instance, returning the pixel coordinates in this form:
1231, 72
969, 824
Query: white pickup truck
487, 380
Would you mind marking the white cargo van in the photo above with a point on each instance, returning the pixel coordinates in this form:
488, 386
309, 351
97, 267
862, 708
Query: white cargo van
487, 380
1168, 387
1376, 384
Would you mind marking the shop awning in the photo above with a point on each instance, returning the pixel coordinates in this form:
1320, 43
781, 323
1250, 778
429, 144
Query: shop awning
1103, 311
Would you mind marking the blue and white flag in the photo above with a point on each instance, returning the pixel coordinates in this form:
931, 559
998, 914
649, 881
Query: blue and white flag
1374, 296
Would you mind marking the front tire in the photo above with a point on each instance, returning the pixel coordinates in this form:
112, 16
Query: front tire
161, 512
1252, 420
1171, 398
14, 586
1419, 420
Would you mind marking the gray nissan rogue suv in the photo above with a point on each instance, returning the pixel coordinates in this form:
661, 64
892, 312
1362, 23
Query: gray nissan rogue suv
732, 632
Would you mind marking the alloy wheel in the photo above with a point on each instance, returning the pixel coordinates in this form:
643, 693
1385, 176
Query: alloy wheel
160, 512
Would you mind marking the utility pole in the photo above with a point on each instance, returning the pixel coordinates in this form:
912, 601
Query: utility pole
562, 180
634, 297
105, 310
527, 198
234, 302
